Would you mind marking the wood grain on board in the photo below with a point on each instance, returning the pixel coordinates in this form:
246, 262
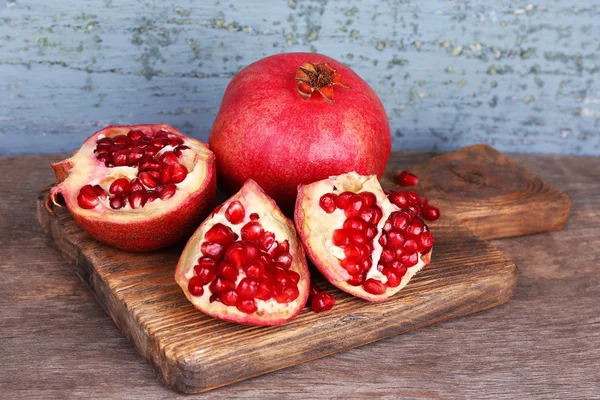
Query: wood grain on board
193, 352
488, 192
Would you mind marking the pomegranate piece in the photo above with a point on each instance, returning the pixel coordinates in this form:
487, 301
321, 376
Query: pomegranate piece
314, 110
373, 254
405, 178
128, 188
245, 262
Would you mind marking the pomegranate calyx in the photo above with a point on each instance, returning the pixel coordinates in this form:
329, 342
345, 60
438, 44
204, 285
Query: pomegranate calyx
320, 77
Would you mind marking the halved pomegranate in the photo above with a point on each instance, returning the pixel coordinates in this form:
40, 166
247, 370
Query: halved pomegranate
138, 188
358, 239
245, 263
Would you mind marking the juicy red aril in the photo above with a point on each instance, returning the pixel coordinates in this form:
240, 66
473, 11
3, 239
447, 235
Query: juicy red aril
340, 238
220, 233
135, 135
235, 213
265, 290
136, 186
369, 198
220, 284
137, 199
405, 178
288, 294
195, 286
117, 202
236, 254
119, 186
413, 197
87, 197
169, 158
227, 271
374, 286
247, 306
427, 242
148, 180
167, 191
393, 277
247, 288
355, 205
400, 199
204, 273
212, 250
178, 173
228, 297
409, 259
322, 302
416, 227
431, 213
99, 192
341, 201
252, 231
255, 269
327, 202
254, 217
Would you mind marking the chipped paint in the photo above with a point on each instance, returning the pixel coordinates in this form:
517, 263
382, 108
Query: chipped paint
449, 73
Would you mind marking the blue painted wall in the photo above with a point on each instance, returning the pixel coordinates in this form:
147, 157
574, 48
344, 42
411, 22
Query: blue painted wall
521, 76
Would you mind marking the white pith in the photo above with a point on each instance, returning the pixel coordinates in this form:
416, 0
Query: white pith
272, 220
318, 227
87, 169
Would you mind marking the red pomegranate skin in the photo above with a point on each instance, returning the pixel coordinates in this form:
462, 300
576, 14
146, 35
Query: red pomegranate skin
267, 132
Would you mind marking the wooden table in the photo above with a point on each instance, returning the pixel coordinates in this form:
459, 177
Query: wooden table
56, 342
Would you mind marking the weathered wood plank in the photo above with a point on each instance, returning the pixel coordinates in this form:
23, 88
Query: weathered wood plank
521, 77
56, 343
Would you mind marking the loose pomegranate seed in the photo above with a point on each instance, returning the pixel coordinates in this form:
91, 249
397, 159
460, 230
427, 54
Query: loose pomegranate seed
327, 202
374, 286
322, 302
405, 178
247, 306
119, 186
431, 213
235, 213
195, 287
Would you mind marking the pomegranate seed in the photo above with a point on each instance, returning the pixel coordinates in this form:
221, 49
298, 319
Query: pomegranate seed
227, 271
355, 205
236, 254
247, 288
373, 286
136, 186
252, 231
414, 209
369, 198
284, 246
137, 199
220, 233
411, 245
382, 240
427, 242
255, 269
340, 238
371, 232
351, 265
212, 250
117, 202
151, 197
409, 259
423, 202
105, 141
266, 240
352, 251
159, 142
412, 197
167, 191
405, 178
265, 290
395, 239
400, 198
205, 274
355, 224
431, 213
322, 302
228, 297
400, 220
387, 256
235, 213
119, 186
134, 156
254, 217
393, 279
369, 215
294, 276
150, 164
314, 290
135, 135
120, 158
195, 287
220, 285
165, 175
150, 152
178, 173
179, 150
101, 193
357, 280
288, 294
327, 202
175, 142
247, 306
169, 158
358, 237
121, 140
416, 227
342, 200
147, 180
87, 198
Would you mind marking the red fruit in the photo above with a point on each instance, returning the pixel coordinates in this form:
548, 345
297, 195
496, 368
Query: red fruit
127, 208
405, 178
320, 300
431, 213
364, 256
247, 276
271, 129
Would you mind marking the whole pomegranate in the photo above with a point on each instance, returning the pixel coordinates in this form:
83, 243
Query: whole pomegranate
138, 188
297, 118
245, 263
360, 240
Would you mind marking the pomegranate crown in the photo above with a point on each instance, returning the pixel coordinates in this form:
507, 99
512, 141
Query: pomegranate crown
320, 77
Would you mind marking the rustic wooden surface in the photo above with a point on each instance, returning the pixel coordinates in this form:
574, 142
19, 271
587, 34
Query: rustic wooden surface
519, 75
485, 190
56, 342
194, 353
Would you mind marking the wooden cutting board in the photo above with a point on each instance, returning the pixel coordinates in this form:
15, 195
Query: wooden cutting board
194, 353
